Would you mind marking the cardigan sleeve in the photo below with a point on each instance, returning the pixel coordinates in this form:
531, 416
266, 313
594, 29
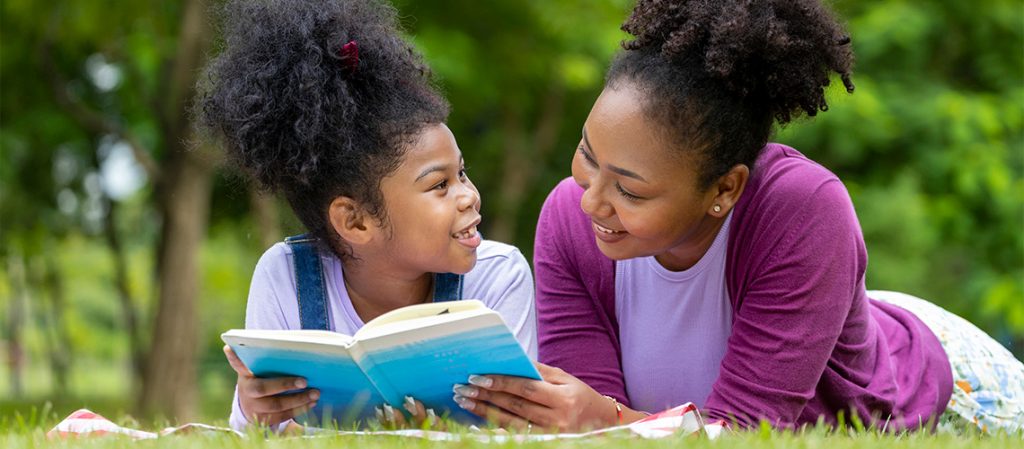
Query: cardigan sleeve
807, 265
577, 331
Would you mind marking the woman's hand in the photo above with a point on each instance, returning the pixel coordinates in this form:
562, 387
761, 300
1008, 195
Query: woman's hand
421, 417
261, 399
560, 402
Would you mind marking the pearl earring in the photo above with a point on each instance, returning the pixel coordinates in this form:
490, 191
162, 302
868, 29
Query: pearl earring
717, 208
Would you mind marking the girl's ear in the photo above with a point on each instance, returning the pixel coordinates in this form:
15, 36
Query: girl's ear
350, 221
727, 190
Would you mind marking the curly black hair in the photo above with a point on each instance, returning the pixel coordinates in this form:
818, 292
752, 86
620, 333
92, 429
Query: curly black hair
717, 74
298, 114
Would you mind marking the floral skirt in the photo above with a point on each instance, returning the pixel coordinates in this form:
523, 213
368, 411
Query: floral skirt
988, 382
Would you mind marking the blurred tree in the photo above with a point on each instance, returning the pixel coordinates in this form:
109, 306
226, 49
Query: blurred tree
161, 47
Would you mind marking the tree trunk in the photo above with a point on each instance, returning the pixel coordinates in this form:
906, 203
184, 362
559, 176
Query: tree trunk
170, 378
169, 384
520, 151
56, 332
15, 317
128, 309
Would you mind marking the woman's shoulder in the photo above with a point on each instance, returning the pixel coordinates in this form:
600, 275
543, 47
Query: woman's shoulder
784, 170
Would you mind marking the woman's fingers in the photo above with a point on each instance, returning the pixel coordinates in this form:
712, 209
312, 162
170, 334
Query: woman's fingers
516, 405
493, 414
538, 391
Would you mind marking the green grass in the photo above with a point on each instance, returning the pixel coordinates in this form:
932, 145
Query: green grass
19, 431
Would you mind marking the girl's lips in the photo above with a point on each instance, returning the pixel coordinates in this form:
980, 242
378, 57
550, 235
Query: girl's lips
607, 235
472, 241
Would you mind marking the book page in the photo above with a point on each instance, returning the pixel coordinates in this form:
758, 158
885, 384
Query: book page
418, 315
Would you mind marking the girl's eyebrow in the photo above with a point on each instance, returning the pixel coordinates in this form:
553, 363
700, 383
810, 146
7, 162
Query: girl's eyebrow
431, 169
434, 168
619, 170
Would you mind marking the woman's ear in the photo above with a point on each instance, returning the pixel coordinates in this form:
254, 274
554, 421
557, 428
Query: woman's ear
350, 221
728, 189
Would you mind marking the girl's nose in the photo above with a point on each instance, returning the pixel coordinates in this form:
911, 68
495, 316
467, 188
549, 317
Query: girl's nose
469, 197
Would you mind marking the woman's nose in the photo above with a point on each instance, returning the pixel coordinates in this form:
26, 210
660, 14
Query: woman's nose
593, 203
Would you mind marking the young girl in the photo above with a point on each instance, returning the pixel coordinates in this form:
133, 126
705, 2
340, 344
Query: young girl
324, 102
689, 260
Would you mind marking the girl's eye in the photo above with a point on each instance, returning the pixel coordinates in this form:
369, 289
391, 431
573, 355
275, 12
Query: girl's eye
443, 185
625, 194
462, 173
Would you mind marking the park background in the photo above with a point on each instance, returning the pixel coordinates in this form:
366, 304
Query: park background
127, 245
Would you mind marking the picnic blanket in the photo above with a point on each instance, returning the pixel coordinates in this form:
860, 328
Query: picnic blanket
682, 420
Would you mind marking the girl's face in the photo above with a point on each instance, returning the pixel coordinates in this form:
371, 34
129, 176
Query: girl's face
433, 208
641, 195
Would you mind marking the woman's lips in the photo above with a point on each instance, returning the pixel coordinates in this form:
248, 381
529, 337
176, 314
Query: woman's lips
608, 235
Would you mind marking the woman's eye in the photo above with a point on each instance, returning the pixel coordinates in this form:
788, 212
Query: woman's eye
586, 156
625, 194
441, 185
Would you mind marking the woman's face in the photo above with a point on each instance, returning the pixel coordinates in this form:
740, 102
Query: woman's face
433, 208
642, 195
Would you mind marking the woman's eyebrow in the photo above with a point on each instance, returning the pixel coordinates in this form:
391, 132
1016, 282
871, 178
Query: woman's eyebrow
614, 169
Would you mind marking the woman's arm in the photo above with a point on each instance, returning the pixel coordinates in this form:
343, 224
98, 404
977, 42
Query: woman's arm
577, 330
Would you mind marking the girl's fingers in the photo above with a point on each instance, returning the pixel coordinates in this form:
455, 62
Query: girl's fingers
256, 387
295, 403
493, 414
517, 405
236, 363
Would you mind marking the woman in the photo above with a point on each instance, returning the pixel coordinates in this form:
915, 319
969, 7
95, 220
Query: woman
689, 260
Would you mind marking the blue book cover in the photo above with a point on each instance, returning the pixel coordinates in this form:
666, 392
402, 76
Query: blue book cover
419, 351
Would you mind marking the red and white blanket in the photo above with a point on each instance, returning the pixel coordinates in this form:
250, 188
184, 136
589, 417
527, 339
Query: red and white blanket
681, 420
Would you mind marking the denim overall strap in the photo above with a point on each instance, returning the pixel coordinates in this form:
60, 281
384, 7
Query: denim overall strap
309, 282
447, 287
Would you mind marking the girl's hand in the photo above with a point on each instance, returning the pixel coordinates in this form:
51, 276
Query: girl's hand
560, 402
260, 400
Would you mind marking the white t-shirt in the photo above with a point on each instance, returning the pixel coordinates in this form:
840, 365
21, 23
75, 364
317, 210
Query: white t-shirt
501, 279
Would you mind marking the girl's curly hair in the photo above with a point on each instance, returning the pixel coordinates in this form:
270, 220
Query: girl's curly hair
718, 73
300, 118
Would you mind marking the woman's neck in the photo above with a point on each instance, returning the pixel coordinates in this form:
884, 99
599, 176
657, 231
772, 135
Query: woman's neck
376, 290
685, 255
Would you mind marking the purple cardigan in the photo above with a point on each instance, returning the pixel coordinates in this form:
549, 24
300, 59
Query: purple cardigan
806, 340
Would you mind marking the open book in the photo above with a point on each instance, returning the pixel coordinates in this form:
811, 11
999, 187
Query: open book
419, 351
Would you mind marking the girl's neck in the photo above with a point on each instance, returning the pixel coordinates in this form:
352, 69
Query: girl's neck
375, 291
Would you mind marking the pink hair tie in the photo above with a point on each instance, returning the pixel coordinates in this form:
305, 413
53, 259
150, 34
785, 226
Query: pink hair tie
350, 56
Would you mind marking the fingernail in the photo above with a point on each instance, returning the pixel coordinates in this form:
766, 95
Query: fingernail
301, 383
314, 395
482, 381
464, 402
379, 413
431, 414
410, 404
465, 390
389, 412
